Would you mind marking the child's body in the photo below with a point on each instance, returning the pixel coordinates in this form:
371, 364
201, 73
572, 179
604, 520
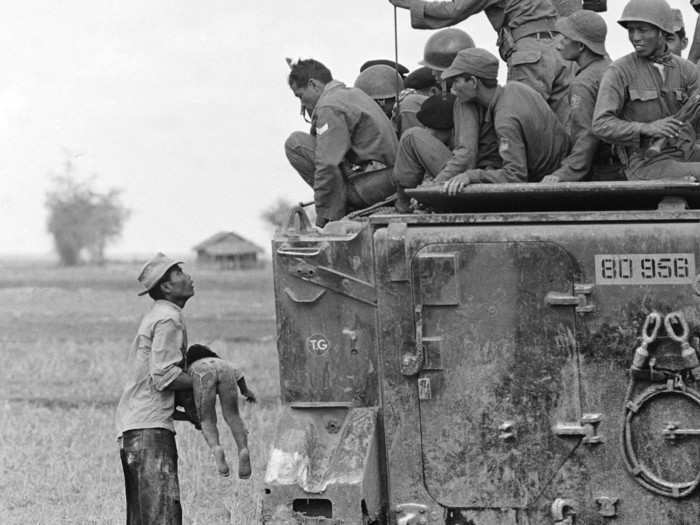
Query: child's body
212, 375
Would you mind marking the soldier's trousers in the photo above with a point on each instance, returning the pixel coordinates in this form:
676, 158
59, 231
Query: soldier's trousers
300, 151
149, 460
420, 156
665, 167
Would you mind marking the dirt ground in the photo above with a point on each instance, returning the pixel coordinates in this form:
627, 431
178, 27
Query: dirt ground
65, 334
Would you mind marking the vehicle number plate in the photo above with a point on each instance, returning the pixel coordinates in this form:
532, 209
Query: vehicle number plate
645, 268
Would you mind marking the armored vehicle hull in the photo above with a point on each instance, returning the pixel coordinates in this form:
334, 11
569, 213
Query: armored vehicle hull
497, 361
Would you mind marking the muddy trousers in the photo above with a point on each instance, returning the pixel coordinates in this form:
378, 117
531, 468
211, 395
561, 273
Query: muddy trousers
300, 150
665, 167
149, 460
420, 156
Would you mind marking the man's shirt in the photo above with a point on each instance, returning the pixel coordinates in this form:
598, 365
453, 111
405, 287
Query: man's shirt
349, 127
587, 149
633, 93
155, 361
531, 140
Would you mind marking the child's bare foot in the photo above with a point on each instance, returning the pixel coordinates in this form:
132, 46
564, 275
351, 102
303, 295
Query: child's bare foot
244, 464
221, 464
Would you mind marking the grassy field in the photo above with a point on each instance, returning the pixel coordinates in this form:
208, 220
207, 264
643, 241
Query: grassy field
64, 335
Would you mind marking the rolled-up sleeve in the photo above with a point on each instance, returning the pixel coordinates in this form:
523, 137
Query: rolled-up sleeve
166, 353
435, 15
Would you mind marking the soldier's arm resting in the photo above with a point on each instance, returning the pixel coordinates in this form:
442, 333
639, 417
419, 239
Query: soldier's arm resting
435, 15
466, 151
332, 145
166, 356
607, 125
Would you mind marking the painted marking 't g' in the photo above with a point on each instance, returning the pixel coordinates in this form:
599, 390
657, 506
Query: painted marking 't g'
317, 344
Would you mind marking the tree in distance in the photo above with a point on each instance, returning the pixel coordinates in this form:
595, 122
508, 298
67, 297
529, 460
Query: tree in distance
82, 220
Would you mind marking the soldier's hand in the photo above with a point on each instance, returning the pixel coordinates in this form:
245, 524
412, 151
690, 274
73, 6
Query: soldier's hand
668, 127
456, 183
550, 179
404, 4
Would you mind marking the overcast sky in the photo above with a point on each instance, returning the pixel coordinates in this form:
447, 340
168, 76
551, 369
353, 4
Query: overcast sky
184, 105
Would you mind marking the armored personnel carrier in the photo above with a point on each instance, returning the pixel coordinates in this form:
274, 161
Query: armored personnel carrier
524, 354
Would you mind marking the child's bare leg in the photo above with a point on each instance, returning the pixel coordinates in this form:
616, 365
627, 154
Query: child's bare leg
229, 407
204, 389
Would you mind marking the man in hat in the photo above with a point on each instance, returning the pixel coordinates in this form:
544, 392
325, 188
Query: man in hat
678, 40
526, 38
694, 53
351, 139
641, 93
583, 42
531, 140
144, 416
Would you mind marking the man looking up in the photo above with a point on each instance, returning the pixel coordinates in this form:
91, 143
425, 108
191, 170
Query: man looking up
525, 39
641, 92
144, 415
531, 140
350, 137
583, 42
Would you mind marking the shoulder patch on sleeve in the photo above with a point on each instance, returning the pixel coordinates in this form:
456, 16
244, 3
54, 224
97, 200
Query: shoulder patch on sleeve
322, 129
575, 101
503, 145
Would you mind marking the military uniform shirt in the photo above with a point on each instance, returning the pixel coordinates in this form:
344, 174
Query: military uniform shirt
349, 126
632, 92
531, 140
474, 142
587, 148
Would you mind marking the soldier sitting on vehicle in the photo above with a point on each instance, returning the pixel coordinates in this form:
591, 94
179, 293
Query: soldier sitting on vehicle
381, 83
640, 97
583, 42
348, 156
531, 140
424, 150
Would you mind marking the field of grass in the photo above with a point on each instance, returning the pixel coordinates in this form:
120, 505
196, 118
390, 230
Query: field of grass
65, 334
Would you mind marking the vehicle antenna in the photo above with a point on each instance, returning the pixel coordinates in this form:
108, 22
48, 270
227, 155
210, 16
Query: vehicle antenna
396, 67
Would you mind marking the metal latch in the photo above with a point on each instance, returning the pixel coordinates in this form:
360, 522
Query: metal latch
586, 430
672, 433
563, 511
579, 299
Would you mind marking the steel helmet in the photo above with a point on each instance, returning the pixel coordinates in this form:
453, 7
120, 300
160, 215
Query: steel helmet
442, 48
655, 12
586, 27
379, 82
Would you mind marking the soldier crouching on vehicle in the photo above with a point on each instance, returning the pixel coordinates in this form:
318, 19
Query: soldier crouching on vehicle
641, 95
348, 156
531, 140
583, 42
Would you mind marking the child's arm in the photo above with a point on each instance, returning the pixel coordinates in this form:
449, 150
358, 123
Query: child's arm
245, 391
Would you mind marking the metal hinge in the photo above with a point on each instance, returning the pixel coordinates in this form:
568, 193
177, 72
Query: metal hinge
579, 299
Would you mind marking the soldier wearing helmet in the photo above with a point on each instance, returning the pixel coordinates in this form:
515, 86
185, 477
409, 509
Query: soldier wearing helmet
526, 38
677, 41
421, 155
381, 83
641, 93
350, 138
583, 42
